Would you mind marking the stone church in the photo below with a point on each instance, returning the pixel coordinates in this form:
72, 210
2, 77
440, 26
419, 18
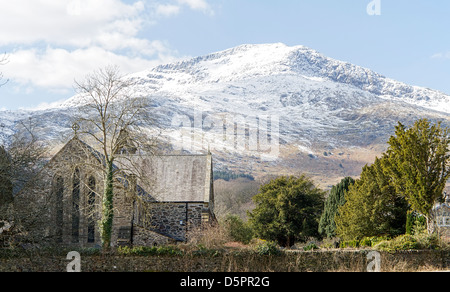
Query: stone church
162, 200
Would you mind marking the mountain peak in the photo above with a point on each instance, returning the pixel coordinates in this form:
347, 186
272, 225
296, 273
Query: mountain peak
252, 61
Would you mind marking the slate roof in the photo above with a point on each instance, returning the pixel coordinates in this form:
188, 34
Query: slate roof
175, 178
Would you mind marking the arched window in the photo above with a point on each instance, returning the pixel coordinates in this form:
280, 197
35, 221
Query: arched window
76, 206
91, 210
58, 192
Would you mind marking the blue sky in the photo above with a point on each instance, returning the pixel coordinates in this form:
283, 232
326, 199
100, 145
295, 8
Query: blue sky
52, 43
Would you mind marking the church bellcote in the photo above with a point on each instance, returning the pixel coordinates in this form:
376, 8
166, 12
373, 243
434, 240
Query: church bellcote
125, 145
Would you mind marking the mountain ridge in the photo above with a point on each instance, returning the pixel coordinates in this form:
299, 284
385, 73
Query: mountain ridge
333, 116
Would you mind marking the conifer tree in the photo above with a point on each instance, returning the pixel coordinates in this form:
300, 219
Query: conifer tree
372, 207
418, 163
288, 210
336, 198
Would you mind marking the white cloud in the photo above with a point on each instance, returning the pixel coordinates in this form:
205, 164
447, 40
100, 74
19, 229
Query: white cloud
442, 55
174, 8
167, 10
200, 5
111, 24
56, 69
79, 23
59, 41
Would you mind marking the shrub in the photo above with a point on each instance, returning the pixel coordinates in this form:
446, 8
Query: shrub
311, 246
238, 230
365, 242
210, 236
149, 251
267, 248
403, 242
349, 244
202, 250
372, 241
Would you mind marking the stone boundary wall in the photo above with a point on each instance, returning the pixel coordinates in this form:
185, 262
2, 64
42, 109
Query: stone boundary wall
237, 261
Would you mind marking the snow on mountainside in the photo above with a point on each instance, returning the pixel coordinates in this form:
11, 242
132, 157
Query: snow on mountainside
248, 62
326, 117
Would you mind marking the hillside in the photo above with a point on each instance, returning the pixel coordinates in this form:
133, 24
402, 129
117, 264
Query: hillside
270, 109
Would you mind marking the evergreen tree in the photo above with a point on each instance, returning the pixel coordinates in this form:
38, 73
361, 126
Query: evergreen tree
418, 163
336, 198
372, 207
287, 210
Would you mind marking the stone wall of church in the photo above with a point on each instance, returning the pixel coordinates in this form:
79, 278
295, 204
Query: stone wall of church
145, 237
123, 215
172, 219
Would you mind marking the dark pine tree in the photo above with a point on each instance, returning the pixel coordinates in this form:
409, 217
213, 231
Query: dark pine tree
336, 198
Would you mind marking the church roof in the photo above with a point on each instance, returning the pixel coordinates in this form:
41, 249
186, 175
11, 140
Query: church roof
175, 178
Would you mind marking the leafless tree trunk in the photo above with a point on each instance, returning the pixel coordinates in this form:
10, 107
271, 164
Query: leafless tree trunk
112, 117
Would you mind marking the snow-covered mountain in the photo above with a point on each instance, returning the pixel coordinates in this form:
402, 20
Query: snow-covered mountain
322, 116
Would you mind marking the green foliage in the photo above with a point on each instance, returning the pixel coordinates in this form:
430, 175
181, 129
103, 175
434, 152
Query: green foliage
237, 229
327, 225
149, 251
365, 242
402, 242
269, 248
228, 175
418, 239
409, 222
311, 246
415, 222
205, 251
107, 210
372, 208
349, 244
418, 163
287, 210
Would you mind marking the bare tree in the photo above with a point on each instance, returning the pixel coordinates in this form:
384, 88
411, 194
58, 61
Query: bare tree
27, 153
112, 117
20, 161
